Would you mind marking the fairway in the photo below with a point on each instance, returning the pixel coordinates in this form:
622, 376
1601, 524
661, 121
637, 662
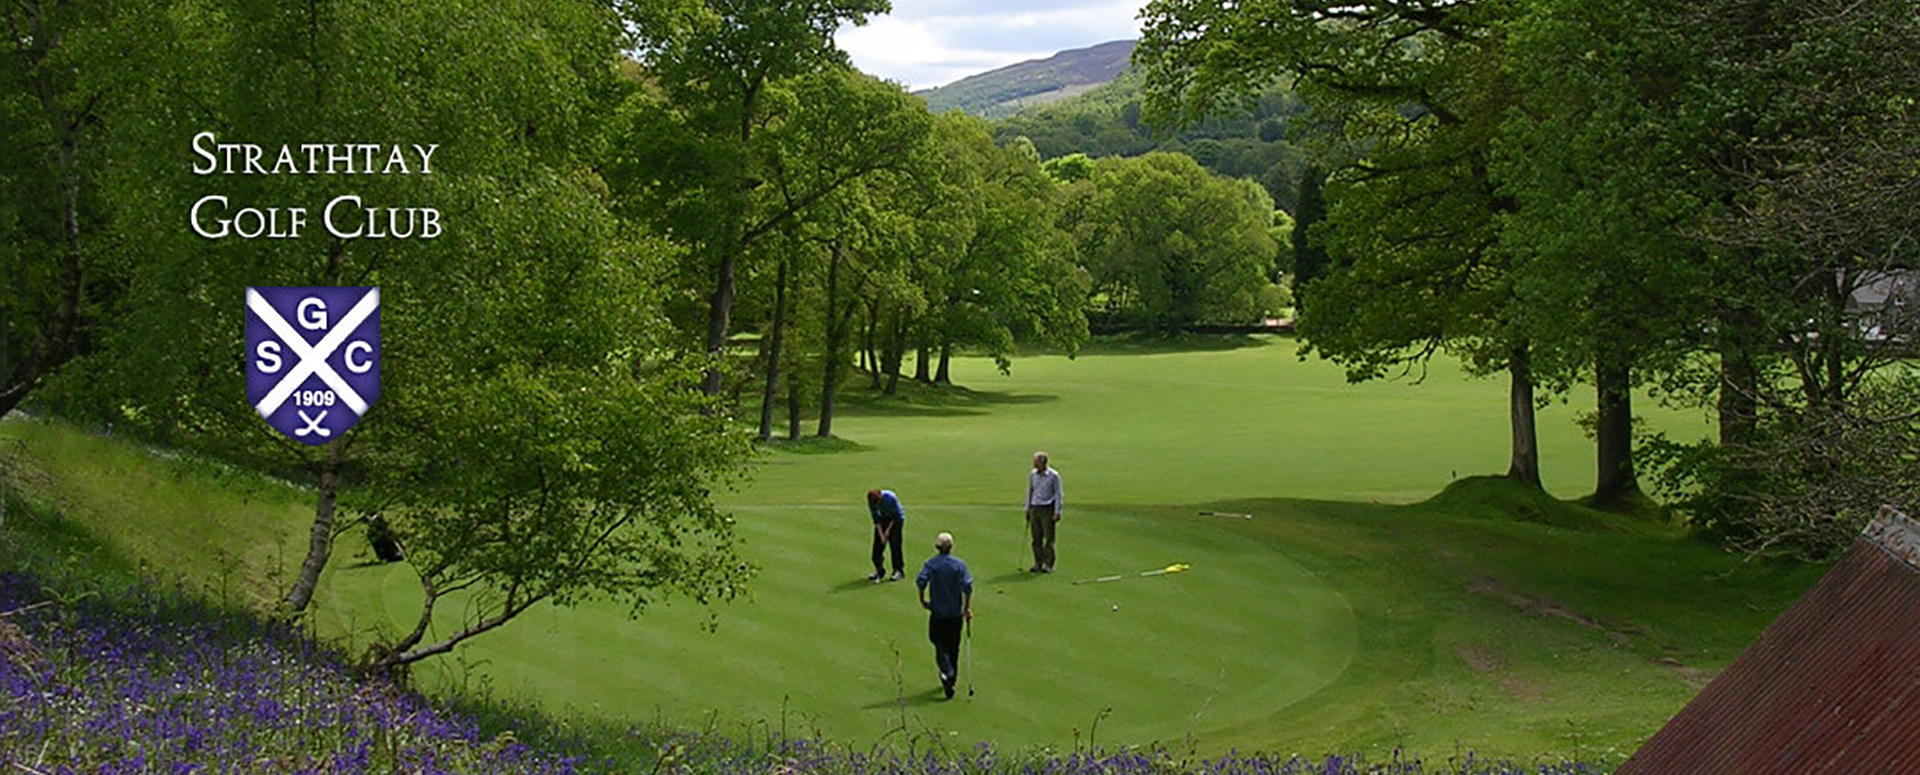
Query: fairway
1351, 613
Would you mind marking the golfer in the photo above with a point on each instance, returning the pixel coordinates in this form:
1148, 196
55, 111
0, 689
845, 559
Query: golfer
1043, 511
950, 602
889, 520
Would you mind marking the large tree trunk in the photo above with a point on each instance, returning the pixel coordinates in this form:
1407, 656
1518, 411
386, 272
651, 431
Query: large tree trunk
868, 341
922, 368
320, 536
838, 323
942, 375
793, 403
772, 391
1525, 466
894, 352
720, 304
1613, 382
719, 310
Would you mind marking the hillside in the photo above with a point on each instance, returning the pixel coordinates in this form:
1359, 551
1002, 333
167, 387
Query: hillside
1034, 82
1254, 142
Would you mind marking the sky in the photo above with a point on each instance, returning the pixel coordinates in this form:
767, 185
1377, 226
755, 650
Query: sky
926, 43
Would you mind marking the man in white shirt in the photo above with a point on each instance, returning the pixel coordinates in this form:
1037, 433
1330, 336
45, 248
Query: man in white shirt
1043, 511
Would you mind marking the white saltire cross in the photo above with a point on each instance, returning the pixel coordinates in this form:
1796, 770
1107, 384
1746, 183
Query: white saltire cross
313, 358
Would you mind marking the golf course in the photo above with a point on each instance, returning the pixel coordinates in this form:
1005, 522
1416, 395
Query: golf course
1362, 584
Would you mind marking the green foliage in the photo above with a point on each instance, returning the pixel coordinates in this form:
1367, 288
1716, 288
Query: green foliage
1691, 147
1801, 483
1172, 245
67, 124
535, 441
1308, 259
1071, 168
1003, 270
1250, 142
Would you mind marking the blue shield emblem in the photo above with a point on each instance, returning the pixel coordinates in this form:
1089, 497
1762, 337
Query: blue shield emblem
313, 358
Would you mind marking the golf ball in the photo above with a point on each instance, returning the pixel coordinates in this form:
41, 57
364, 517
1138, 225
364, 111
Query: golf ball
1116, 606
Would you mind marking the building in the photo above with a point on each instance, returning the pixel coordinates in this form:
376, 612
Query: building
1832, 686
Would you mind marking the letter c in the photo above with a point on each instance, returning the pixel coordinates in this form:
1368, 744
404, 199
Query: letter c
363, 366
327, 215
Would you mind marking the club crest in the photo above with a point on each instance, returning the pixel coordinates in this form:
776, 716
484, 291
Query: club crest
313, 358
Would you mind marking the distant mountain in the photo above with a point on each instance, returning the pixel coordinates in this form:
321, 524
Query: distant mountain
1001, 92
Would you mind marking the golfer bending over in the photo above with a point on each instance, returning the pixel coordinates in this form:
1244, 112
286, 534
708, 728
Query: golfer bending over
889, 521
951, 604
1043, 511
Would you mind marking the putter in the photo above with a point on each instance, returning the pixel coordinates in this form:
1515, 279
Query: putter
969, 657
1234, 515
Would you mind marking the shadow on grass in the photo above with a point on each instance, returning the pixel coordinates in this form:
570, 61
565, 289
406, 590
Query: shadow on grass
1013, 577
1152, 344
933, 401
814, 445
862, 583
929, 697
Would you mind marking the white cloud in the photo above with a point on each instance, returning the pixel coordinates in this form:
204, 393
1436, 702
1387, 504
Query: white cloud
927, 43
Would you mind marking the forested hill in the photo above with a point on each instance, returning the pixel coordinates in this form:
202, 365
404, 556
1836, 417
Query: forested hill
1105, 121
1000, 92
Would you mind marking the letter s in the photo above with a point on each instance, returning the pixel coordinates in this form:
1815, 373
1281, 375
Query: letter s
212, 163
268, 354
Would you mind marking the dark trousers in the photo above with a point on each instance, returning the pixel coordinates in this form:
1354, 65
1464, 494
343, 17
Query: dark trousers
945, 634
894, 529
1040, 522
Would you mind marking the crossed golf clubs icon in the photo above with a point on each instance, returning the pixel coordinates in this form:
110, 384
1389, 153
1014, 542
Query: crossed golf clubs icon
313, 424
312, 359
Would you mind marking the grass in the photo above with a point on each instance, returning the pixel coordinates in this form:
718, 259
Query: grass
1356, 611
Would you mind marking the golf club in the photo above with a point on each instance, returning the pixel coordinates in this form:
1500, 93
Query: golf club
969, 656
1178, 567
1234, 515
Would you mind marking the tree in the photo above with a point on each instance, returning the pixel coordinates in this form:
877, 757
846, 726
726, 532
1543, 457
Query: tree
1175, 244
1801, 123
1601, 191
1309, 257
1411, 227
998, 267
531, 308
715, 60
565, 457
58, 113
826, 130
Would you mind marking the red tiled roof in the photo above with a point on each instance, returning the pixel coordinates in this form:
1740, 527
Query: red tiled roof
1832, 686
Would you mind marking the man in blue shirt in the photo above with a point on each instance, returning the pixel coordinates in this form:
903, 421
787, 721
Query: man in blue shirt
889, 521
946, 591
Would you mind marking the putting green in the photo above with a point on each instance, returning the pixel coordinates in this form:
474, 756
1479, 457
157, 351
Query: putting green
1241, 635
